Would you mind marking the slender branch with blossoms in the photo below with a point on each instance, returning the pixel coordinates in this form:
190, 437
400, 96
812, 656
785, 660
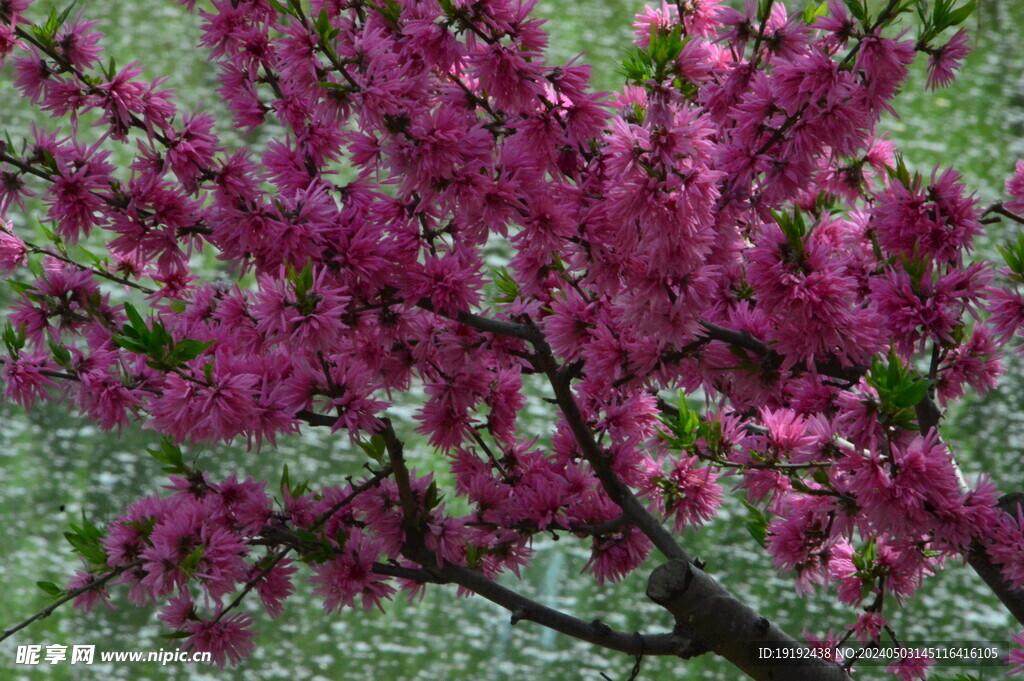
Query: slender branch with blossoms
727, 226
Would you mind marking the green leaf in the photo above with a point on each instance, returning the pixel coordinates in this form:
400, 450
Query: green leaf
63, 16
1013, 255
170, 455
191, 561
159, 339
294, 491
757, 524
637, 67
129, 344
286, 483
87, 546
391, 11
374, 448
899, 389
176, 635
506, 285
50, 588
279, 8
665, 47
20, 287
432, 498
14, 339
958, 16
96, 260
911, 395
135, 321
61, 355
813, 10
187, 350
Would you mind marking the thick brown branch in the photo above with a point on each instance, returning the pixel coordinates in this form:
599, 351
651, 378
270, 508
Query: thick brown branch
523, 608
991, 573
724, 624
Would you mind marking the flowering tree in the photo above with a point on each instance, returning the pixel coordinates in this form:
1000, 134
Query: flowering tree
727, 225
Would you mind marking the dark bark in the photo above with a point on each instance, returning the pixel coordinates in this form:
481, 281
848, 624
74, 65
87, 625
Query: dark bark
979, 559
727, 627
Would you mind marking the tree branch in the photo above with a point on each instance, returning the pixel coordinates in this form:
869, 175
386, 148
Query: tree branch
523, 608
742, 339
410, 509
486, 324
70, 595
617, 490
731, 629
991, 573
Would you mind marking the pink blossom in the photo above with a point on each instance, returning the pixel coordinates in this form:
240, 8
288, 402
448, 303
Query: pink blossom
869, 626
12, 249
178, 611
25, 378
1016, 656
83, 580
438, 211
275, 586
349, 576
614, 557
1007, 309
227, 639
1015, 188
945, 60
912, 667
691, 493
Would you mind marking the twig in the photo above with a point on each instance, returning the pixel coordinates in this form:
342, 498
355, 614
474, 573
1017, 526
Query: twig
70, 595
598, 460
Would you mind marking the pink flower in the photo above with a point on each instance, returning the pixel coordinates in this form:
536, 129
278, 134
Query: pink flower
189, 544
79, 45
615, 556
275, 586
192, 149
86, 601
505, 74
74, 197
349, 576
228, 640
106, 399
1016, 656
1007, 309
691, 493
1015, 188
25, 377
1005, 544
653, 20
944, 61
914, 666
975, 363
869, 626
245, 503
178, 611
13, 252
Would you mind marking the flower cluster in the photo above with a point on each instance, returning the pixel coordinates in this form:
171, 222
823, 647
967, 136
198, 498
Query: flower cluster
440, 211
